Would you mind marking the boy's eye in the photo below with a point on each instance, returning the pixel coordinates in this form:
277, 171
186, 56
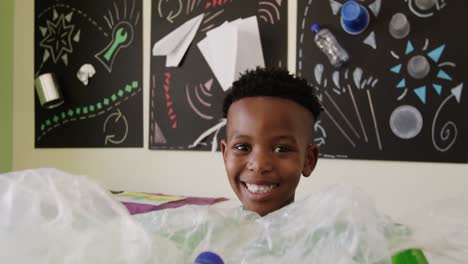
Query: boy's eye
242, 147
281, 149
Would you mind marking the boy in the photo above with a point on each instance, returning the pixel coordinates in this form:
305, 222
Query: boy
269, 137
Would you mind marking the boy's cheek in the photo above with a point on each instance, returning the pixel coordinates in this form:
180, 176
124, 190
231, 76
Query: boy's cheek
230, 166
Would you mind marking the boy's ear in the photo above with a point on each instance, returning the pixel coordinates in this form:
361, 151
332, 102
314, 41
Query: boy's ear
223, 148
310, 160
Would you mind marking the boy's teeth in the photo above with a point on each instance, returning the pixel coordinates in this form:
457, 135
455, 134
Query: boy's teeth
259, 188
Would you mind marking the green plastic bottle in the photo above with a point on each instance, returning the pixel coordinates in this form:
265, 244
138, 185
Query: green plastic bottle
410, 256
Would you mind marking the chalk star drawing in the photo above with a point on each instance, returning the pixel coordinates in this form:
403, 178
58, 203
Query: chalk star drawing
58, 36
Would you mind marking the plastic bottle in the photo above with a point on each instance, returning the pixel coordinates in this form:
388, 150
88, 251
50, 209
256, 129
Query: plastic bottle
410, 256
328, 44
208, 257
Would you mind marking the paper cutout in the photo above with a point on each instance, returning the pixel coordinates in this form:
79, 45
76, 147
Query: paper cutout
233, 48
145, 198
402, 84
175, 44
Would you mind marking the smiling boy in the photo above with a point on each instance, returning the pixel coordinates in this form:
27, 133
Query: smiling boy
269, 137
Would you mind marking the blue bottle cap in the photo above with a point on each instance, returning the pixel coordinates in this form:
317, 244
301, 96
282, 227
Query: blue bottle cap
354, 17
315, 28
208, 257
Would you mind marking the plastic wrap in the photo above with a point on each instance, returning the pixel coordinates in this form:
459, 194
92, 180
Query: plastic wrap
51, 217
439, 228
339, 225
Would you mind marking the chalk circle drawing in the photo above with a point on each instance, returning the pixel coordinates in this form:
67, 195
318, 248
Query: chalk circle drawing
269, 12
169, 12
417, 11
201, 92
58, 36
406, 122
448, 132
110, 136
122, 36
320, 134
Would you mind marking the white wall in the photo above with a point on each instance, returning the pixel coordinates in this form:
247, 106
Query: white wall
395, 186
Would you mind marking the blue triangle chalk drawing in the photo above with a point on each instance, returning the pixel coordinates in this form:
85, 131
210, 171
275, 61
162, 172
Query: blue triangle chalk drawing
396, 69
421, 93
438, 88
402, 84
409, 48
443, 75
435, 54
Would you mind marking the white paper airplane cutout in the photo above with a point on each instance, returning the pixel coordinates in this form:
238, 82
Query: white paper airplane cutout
175, 44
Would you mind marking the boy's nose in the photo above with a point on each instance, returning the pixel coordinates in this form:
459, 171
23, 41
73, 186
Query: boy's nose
260, 162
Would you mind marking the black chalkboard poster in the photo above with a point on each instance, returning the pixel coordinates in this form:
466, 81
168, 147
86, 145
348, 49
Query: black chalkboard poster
94, 48
375, 108
186, 101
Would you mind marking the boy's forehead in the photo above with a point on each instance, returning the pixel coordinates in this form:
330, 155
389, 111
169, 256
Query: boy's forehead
267, 112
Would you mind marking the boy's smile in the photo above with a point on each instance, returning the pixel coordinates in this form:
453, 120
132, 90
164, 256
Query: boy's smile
266, 150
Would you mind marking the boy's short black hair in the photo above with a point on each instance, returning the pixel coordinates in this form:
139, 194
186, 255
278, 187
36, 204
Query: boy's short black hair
273, 82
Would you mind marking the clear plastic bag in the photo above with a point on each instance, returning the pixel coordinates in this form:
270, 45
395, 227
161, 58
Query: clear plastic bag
439, 228
51, 217
338, 225
48, 216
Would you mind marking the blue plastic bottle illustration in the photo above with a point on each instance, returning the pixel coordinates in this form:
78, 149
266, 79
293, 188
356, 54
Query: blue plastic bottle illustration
328, 44
208, 257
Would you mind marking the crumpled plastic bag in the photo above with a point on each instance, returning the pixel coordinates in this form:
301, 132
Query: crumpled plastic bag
48, 216
52, 217
440, 228
339, 225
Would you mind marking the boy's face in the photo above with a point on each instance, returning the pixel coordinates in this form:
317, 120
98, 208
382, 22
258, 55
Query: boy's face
266, 150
